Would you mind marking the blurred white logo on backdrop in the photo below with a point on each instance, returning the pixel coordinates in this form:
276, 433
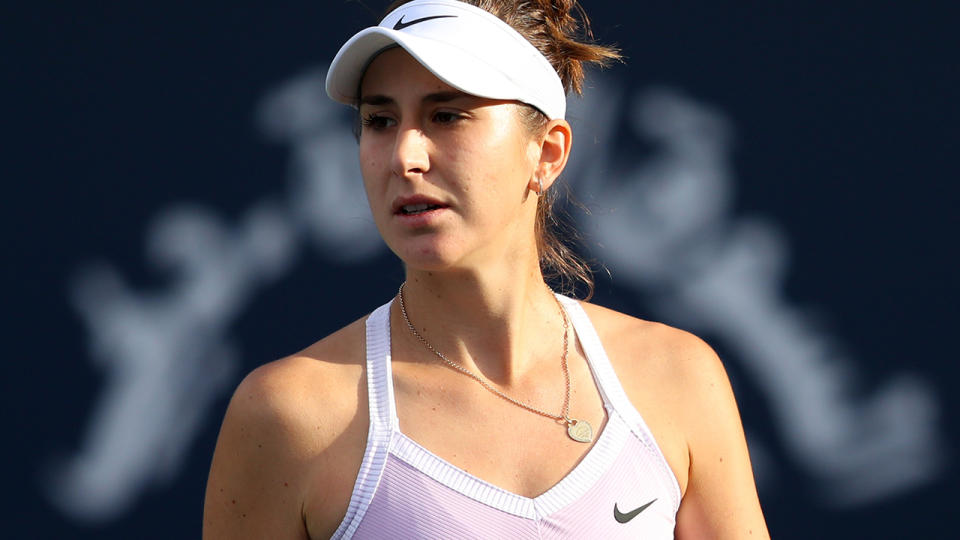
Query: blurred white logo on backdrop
670, 236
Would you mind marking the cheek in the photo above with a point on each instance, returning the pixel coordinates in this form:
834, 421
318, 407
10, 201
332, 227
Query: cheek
374, 189
369, 168
371, 164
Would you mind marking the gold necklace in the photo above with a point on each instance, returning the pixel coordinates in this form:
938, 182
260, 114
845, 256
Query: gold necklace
578, 430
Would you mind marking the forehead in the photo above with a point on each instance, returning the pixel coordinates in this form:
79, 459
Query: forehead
395, 71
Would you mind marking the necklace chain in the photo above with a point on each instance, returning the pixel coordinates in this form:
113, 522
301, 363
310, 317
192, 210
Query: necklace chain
562, 417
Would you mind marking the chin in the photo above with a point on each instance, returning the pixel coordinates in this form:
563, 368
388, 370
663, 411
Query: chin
427, 257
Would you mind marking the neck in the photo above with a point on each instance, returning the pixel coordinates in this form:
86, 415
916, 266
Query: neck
498, 324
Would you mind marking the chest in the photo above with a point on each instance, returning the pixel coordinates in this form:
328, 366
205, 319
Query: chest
494, 439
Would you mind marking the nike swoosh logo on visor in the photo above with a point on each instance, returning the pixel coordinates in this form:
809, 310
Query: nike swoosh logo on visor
623, 518
401, 25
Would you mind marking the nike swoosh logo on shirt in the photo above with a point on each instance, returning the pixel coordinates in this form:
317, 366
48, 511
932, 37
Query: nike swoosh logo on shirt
623, 518
401, 25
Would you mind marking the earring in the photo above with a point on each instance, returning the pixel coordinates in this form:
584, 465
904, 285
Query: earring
540, 186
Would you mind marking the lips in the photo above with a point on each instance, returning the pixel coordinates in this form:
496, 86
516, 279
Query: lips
416, 205
417, 208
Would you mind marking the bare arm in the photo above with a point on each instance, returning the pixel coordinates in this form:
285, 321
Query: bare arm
257, 476
721, 497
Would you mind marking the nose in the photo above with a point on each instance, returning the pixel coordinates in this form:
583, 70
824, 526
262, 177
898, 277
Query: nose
410, 155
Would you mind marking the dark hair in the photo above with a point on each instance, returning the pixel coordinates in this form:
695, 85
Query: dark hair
560, 30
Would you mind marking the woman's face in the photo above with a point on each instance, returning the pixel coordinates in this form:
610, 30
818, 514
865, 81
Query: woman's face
446, 173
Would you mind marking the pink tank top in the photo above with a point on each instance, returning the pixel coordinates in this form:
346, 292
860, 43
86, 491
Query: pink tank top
622, 488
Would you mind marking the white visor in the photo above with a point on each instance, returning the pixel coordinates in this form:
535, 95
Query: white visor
464, 46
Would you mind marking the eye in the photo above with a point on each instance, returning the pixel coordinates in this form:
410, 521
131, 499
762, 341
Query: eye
446, 117
376, 121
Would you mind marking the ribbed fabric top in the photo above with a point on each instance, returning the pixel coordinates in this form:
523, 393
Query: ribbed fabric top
405, 491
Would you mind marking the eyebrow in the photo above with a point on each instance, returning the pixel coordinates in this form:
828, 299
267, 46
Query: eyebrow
436, 97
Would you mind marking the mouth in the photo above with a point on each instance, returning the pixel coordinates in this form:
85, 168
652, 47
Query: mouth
416, 205
414, 209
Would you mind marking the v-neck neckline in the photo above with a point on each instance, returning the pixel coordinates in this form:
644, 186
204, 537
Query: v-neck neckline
574, 484
589, 468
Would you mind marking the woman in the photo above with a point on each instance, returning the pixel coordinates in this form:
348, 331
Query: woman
478, 403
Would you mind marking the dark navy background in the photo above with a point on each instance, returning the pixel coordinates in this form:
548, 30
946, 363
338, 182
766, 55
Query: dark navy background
846, 126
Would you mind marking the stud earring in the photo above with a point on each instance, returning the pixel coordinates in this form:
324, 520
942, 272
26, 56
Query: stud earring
540, 186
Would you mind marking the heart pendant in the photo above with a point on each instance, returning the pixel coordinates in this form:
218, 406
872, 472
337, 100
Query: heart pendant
580, 431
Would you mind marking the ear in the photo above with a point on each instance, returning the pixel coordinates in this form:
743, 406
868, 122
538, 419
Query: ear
554, 151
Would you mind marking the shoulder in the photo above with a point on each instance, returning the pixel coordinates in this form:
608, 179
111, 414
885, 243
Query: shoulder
655, 361
639, 347
289, 392
282, 417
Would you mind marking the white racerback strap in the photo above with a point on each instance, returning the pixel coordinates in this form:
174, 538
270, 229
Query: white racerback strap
614, 397
383, 418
